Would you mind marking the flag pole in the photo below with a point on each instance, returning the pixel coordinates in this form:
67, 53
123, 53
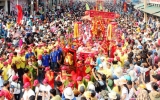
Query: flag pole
17, 2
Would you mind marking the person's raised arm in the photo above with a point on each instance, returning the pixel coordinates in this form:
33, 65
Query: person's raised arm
94, 74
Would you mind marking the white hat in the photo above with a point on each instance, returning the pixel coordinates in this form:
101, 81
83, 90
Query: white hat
132, 73
102, 58
91, 87
116, 82
112, 95
68, 93
118, 72
100, 65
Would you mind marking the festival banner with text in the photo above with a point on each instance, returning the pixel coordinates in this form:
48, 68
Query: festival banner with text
102, 14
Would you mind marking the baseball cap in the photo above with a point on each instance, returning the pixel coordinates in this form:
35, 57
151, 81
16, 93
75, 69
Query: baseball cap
15, 77
26, 85
87, 77
45, 81
47, 69
36, 82
79, 78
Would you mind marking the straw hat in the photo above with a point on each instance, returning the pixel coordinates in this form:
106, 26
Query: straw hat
122, 81
87, 94
112, 95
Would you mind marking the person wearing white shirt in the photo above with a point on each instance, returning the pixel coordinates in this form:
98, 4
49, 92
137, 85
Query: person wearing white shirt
28, 92
131, 90
47, 89
11, 73
39, 89
15, 87
104, 63
34, 28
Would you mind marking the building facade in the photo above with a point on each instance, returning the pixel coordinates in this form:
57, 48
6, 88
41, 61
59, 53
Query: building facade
10, 5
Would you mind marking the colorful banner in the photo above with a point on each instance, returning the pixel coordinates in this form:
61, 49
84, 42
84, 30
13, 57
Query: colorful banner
20, 14
101, 14
154, 1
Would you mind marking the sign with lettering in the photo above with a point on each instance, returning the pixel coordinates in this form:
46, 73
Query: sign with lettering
154, 1
101, 14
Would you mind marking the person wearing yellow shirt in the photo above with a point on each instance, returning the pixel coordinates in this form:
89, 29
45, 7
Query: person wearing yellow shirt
39, 50
1, 63
17, 60
117, 87
5, 70
109, 69
8, 25
101, 70
9, 63
22, 63
122, 58
45, 48
80, 83
87, 80
54, 96
50, 46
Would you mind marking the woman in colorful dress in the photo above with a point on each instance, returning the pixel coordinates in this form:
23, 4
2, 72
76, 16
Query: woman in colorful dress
26, 77
50, 76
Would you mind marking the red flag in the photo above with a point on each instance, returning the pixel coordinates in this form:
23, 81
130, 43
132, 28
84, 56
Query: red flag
20, 14
115, 1
125, 7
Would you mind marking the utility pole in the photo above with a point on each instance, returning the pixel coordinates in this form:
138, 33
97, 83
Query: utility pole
50, 4
45, 8
145, 14
32, 7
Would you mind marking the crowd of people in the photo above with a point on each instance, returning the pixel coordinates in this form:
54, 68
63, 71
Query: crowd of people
41, 60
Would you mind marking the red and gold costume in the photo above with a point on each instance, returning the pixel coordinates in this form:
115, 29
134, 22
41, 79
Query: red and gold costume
50, 76
112, 51
68, 60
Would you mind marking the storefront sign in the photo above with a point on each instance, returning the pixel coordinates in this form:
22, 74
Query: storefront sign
154, 1
101, 14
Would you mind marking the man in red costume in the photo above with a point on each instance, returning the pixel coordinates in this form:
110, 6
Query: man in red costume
113, 48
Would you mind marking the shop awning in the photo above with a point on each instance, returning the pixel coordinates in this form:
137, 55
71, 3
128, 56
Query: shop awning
139, 6
157, 14
151, 9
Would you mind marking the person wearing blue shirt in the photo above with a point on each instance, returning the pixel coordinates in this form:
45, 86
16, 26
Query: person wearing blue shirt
45, 59
59, 53
29, 54
54, 59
